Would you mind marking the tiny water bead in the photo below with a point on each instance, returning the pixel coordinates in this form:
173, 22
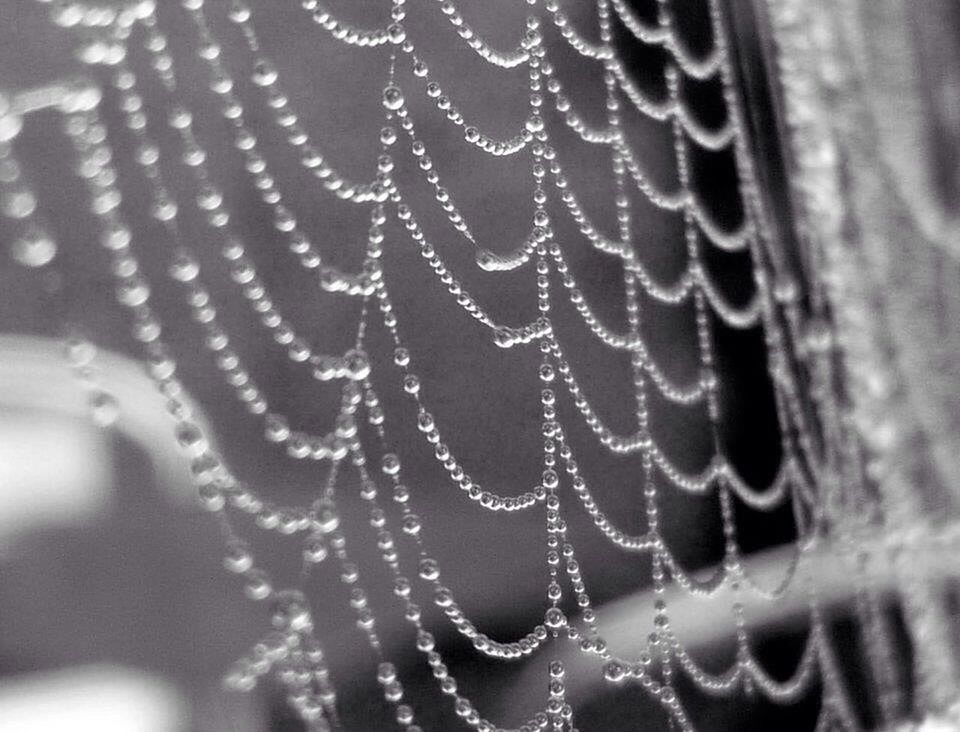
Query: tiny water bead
257, 585
615, 671
393, 98
80, 352
390, 464
386, 673
264, 73
428, 569
357, 365
184, 267
388, 135
554, 618
34, 247
104, 408
314, 550
327, 520
291, 611
18, 203
211, 497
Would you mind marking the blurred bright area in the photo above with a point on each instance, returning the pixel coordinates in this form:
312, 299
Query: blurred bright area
91, 699
54, 471
115, 612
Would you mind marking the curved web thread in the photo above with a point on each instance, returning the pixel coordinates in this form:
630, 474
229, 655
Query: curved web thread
795, 481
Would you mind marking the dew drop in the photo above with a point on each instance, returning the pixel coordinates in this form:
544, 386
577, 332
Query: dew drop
237, 557
191, 439
19, 204
614, 671
428, 569
104, 408
211, 497
396, 33
239, 12
357, 365
411, 524
386, 672
554, 618
314, 550
264, 73
327, 520
393, 98
184, 267
35, 248
290, 611
390, 464
258, 585
388, 135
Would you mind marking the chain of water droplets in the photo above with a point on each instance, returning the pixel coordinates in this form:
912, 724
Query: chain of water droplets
131, 289
286, 656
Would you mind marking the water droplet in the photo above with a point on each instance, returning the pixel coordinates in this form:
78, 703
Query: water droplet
388, 135
209, 198
276, 428
386, 672
327, 520
346, 426
396, 33
425, 422
104, 408
180, 118
290, 611
393, 691
163, 209
239, 12
205, 469
184, 267
240, 678
550, 479
428, 569
133, 291
19, 204
554, 618
411, 524
314, 550
237, 557
264, 73
393, 98
80, 351
425, 641
614, 671
211, 497
258, 585
34, 248
443, 597
390, 464
405, 716
357, 365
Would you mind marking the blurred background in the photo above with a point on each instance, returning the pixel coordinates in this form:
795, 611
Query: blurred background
115, 612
